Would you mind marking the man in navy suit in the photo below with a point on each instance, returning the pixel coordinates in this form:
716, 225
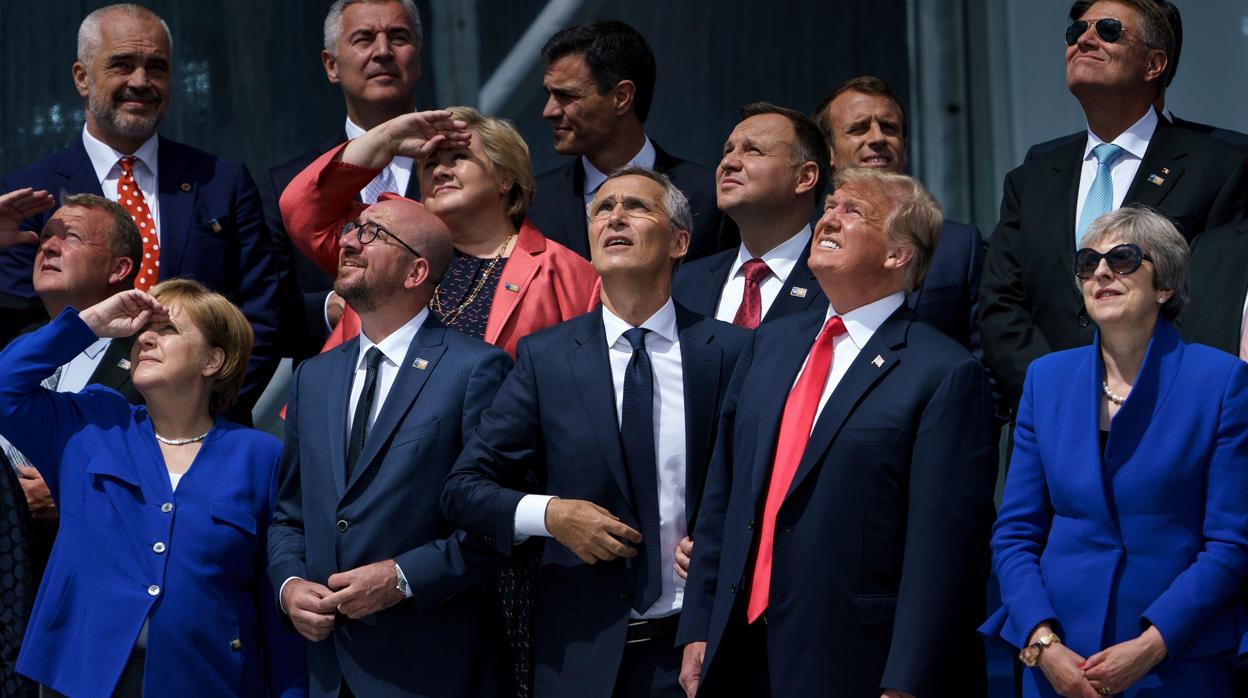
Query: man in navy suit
865, 126
372, 52
841, 545
204, 210
599, 83
600, 439
390, 596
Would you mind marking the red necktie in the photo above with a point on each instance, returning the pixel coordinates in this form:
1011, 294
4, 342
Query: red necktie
795, 425
750, 312
130, 197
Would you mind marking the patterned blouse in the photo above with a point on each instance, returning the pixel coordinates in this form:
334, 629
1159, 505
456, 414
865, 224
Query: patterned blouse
462, 278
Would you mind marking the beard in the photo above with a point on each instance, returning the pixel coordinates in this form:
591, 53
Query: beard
357, 292
105, 111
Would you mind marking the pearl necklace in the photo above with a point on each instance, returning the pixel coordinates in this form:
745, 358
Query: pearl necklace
1116, 399
182, 442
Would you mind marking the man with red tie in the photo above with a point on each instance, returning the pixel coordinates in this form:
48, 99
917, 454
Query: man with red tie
841, 542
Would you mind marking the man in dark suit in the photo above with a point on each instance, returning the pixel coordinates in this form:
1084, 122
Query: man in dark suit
772, 176
842, 541
89, 250
199, 215
373, 54
390, 596
1214, 313
1114, 66
617, 490
599, 83
865, 126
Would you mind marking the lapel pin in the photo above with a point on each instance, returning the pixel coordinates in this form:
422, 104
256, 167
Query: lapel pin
797, 292
216, 227
511, 287
420, 364
123, 364
878, 361
186, 186
1165, 170
1154, 179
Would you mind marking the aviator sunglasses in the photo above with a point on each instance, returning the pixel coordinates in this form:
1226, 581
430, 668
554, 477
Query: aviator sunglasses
1122, 260
1110, 30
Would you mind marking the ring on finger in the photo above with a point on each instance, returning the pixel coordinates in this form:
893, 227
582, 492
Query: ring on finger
1104, 690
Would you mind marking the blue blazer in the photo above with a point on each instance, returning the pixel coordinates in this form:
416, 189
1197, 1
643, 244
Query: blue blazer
213, 629
881, 545
554, 422
447, 639
1152, 531
211, 228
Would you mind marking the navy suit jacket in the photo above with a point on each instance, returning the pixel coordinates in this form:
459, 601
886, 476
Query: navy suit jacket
880, 556
1150, 530
558, 208
1214, 312
211, 229
447, 639
554, 424
948, 298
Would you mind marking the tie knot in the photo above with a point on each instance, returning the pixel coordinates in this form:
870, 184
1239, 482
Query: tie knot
373, 358
126, 162
755, 270
834, 327
1107, 153
636, 337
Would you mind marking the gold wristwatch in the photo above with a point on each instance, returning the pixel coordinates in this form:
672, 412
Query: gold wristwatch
1030, 656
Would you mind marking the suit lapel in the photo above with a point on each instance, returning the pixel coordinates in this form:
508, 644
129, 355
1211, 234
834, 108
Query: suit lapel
519, 270
1062, 186
574, 212
713, 283
800, 291
113, 371
78, 172
1159, 169
1152, 385
338, 396
700, 372
177, 202
1081, 438
591, 372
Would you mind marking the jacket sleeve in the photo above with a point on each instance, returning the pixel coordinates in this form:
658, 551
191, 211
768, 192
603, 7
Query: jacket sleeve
319, 201
286, 541
285, 654
257, 292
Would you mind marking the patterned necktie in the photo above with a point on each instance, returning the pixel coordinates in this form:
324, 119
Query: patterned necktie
130, 197
363, 408
750, 312
382, 183
1100, 199
795, 425
637, 432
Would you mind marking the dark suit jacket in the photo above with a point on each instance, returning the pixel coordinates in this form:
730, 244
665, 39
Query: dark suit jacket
555, 420
1029, 302
1214, 312
446, 639
881, 552
558, 207
948, 298
1235, 138
303, 283
211, 228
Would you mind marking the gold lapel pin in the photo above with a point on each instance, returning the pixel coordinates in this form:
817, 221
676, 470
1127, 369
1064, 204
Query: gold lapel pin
1165, 170
420, 364
797, 292
123, 364
878, 361
186, 186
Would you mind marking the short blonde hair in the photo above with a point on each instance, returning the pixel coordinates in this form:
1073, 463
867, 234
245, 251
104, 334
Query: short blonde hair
224, 327
509, 156
915, 220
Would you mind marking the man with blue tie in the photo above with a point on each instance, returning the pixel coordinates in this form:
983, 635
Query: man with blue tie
841, 544
390, 596
599, 439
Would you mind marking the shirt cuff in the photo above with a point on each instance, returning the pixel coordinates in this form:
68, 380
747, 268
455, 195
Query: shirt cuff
325, 312
531, 517
281, 600
407, 590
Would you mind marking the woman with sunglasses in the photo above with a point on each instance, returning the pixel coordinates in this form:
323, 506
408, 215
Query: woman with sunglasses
1122, 536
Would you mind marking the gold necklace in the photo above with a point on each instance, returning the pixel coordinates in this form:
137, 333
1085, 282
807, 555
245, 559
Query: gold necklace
435, 303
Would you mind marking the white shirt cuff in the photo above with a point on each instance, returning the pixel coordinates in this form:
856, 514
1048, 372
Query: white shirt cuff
281, 600
531, 517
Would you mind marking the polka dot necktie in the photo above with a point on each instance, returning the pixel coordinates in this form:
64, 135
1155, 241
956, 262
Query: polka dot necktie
130, 197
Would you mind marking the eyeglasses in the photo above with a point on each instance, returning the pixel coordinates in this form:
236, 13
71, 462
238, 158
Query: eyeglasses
1122, 259
367, 234
1109, 29
633, 208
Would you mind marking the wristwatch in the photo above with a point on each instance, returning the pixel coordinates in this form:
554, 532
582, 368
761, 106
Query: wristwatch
1030, 656
401, 584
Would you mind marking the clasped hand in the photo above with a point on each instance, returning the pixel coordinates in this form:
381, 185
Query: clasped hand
354, 593
590, 531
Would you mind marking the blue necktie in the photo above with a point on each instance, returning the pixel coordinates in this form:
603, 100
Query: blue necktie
637, 432
1100, 198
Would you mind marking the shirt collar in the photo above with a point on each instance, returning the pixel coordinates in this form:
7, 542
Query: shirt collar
104, 157
862, 322
394, 346
1134, 140
780, 259
594, 178
96, 347
662, 323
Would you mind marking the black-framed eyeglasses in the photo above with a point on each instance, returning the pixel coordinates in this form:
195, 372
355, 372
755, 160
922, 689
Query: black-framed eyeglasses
1122, 259
367, 233
1109, 29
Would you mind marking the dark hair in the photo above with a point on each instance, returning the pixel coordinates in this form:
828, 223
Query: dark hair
123, 236
810, 145
1156, 30
614, 52
866, 84
1176, 30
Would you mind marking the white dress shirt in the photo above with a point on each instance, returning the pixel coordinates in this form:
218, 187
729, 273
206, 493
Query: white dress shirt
595, 177
780, 260
400, 166
1135, 142
663, 346
76, 373
107, 172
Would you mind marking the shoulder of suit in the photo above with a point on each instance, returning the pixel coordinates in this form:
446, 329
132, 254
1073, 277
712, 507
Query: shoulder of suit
934, 345
1059, 151
559, 172
40, 169
704, 263
246, 437
469, 348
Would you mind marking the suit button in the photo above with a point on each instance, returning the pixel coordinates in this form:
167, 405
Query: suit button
343, 526
236, 644
624, 595
732, 588
787, 529
153, 590
780, 595
158, 548
1083, 320
166, 507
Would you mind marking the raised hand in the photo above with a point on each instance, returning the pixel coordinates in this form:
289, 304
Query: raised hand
590, 531
416, 135
15, 207
123, 314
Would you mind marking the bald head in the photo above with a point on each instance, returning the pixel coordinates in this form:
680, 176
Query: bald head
420, 229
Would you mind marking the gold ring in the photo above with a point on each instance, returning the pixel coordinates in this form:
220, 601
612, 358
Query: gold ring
1104, 690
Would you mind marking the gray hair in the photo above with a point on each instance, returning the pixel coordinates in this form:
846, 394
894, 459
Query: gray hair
333, 21
89, 30
914, 221
674, 200
1159, 239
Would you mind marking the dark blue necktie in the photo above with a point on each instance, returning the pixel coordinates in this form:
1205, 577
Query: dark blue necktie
359, 422
637, 432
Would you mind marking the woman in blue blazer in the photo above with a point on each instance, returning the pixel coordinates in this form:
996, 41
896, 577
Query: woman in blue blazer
1122, 536
156, 585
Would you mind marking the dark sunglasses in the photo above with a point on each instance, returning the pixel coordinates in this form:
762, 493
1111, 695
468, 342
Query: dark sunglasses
1122, 259
367, 233
1110, 30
